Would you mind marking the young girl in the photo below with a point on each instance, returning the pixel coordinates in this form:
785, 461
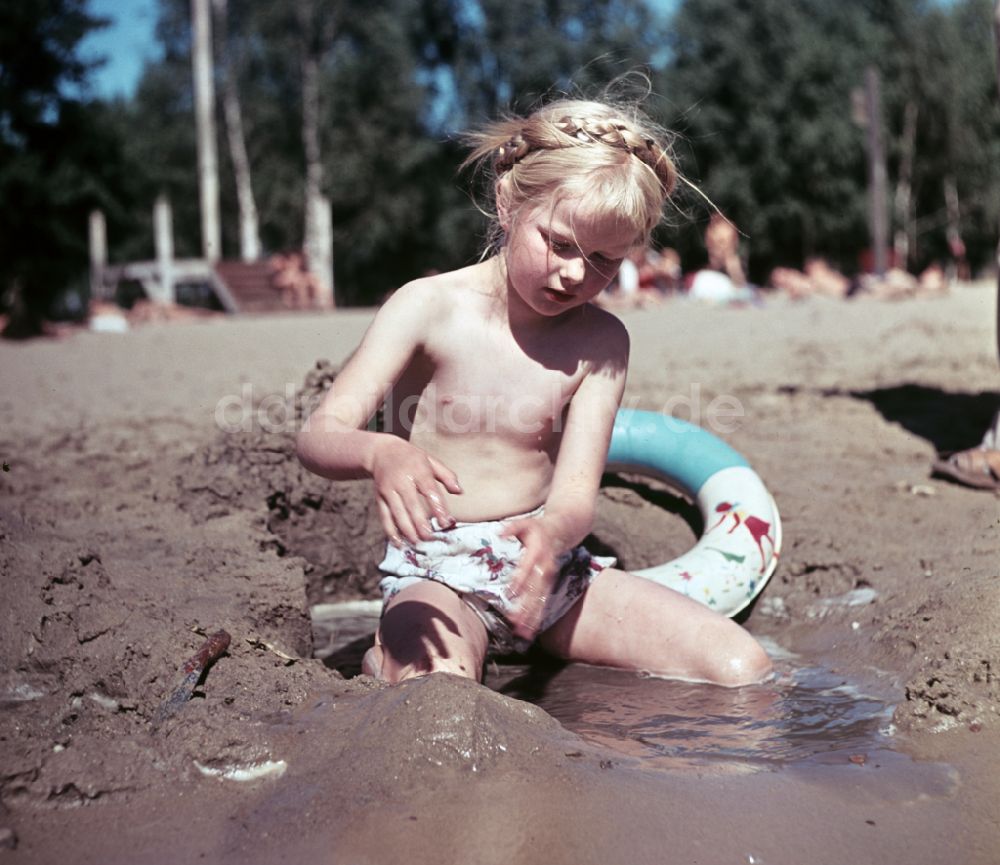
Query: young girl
499, 384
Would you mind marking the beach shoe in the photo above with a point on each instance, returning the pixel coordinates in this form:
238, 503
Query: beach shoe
975, 467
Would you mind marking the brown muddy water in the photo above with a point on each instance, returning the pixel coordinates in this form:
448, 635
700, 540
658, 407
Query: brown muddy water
809, 718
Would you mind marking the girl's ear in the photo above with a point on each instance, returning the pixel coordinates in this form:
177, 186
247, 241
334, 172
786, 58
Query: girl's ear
502, 196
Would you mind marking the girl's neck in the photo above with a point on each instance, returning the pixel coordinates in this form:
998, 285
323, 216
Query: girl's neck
511, 307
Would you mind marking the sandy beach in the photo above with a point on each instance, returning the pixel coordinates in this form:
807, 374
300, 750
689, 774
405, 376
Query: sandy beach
149, 497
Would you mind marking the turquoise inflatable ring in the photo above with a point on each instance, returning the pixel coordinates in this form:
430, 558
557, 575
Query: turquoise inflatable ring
741, 542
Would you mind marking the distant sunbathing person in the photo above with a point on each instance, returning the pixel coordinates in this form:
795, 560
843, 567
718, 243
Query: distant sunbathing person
722, 242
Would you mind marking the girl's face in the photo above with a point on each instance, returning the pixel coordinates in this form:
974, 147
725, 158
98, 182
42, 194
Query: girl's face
559, 257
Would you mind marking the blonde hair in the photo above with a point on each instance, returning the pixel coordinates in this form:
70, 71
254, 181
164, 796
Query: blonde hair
612, 159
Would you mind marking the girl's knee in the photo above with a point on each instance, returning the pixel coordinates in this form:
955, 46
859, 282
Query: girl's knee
428, 629
744, 662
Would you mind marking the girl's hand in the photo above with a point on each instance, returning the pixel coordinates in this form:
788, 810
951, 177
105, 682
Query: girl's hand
536, 573
410, 487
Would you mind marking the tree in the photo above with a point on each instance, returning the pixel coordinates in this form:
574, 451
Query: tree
56, 159
486, 56
760, 91
363, 112
762, 97
943, 68
233, 114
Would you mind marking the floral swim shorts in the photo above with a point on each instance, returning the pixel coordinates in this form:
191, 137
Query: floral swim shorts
476, 562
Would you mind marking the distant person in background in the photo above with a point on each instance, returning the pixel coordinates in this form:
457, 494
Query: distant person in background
723, 280
722, 242
290, 274
661, 271
818, 278
645, 277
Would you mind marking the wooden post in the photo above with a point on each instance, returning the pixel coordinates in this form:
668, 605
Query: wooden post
204, 106
876, 171
98, 235
164, 238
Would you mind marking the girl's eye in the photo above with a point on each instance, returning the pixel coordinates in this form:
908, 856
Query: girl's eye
558, 245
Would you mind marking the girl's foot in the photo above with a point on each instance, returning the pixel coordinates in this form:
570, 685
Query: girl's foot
976, 467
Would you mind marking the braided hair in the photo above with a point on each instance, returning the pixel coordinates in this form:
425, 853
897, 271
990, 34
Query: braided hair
614, 159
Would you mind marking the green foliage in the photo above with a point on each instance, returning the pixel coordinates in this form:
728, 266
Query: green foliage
762, 95
959, 127
399, 77
760, 91
57, 160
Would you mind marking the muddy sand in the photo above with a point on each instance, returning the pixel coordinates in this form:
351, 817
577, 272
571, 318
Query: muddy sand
149, 498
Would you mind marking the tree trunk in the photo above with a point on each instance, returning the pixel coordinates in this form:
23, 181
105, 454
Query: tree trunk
98, 246
204, 103
953, 232
163, 230
876, 171
318, 243
904, 240
233, 114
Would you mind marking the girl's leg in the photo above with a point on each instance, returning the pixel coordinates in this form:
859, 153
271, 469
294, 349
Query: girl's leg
427, 628
631, 622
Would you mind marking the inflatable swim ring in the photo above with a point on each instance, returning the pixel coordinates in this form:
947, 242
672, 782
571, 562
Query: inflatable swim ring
739, 547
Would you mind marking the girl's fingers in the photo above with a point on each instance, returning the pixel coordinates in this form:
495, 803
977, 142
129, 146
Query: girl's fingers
401, 515
516, 529
445, 475
418, 507
388, 523
435, 498
527, 620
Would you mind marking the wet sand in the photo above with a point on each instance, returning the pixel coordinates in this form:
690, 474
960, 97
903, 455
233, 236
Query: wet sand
151, 495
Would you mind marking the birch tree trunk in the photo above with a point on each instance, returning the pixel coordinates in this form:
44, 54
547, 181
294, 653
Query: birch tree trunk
953, 232
233, 114
904, 240
318, 225
876, 171
204, 104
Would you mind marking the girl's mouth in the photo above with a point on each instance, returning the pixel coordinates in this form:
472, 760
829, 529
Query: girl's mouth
557, 296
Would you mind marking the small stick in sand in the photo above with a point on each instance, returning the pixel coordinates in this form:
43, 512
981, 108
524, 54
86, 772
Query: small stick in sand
211, 650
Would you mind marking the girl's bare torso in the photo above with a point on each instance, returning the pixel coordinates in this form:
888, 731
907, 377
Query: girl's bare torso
489, 402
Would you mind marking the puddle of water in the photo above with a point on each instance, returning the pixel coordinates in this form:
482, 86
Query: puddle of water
808, 715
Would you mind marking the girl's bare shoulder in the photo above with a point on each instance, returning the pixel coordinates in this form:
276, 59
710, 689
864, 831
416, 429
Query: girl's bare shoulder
604, 331
441, 293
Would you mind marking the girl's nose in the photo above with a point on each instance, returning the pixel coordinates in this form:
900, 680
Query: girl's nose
573, 270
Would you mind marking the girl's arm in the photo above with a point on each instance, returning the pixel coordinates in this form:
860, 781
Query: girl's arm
409, 483
572, 499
